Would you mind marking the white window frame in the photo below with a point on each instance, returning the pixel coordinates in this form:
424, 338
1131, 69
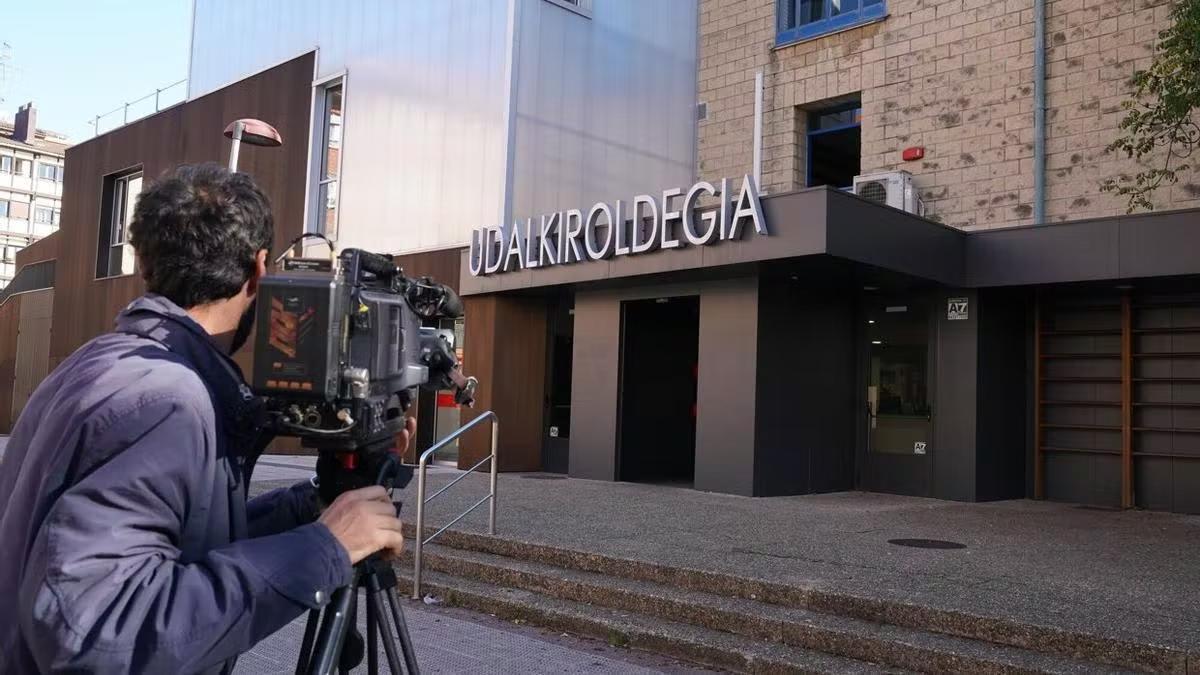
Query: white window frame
48, 210
12, 164
118, 234
53, 171
315, 212
123, 176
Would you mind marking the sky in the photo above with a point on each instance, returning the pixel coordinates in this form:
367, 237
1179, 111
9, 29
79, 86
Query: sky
76, 59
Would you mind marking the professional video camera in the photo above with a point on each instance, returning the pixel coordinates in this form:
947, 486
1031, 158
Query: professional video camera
338, 352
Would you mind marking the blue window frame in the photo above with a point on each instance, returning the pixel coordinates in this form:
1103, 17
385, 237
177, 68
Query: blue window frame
833, 153
804, 19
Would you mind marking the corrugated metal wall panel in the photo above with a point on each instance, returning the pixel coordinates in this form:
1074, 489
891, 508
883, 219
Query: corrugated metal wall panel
605, 105
423, 152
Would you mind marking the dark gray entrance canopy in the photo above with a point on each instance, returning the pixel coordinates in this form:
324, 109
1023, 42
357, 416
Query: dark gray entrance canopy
828, 222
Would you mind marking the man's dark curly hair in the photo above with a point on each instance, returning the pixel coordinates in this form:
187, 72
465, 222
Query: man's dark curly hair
196, 232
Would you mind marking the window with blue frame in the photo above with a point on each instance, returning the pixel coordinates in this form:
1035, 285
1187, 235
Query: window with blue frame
834, 145
803, 19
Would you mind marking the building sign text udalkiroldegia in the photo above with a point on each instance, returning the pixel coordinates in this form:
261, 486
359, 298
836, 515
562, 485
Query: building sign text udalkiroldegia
648, 223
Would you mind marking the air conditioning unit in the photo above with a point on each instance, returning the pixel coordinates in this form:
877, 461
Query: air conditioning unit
890, 188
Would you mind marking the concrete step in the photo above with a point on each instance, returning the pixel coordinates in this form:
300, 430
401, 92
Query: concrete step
1048, 640
679, 640
895, 646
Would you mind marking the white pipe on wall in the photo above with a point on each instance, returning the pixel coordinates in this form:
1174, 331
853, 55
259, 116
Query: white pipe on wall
758, 119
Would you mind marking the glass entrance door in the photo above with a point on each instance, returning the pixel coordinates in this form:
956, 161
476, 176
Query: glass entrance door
899, 415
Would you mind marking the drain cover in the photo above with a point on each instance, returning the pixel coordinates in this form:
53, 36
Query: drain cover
927, 543
544, 476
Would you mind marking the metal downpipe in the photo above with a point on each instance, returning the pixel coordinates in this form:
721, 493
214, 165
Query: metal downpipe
1039, 112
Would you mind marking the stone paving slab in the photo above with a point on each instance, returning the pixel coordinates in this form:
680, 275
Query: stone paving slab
1130, 575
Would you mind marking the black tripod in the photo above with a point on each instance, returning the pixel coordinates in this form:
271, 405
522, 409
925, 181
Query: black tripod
338, 642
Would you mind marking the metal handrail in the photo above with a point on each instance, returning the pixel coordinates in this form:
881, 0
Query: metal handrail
423, 463
95, 122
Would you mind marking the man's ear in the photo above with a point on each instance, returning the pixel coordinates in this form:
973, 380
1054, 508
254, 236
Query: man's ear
260, 271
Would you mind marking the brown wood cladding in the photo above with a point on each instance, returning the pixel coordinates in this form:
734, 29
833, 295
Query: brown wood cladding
187, 133
1118, 398
443, 267
10, 319
45, 248
505, 345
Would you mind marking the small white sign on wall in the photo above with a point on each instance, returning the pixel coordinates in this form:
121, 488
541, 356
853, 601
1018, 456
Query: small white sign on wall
919, 448
956, 309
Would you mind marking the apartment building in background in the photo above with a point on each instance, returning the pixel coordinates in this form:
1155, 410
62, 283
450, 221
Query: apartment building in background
31, 186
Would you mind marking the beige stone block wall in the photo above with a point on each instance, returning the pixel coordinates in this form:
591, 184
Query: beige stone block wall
953, 76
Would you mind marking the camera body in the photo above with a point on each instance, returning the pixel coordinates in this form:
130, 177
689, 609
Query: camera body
339, 349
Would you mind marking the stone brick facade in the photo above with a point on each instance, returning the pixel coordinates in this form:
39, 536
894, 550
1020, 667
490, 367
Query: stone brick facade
953, 76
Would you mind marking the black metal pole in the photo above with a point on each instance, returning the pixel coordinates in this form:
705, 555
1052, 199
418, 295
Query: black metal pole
388, 636
310, 632
333, 629
351, 628
372, 634
406, 647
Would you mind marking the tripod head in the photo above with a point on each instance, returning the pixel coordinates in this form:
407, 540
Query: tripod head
374, 464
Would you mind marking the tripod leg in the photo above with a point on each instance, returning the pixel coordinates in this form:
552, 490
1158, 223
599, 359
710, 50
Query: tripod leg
395, 665
333, 630
372, 634
310, 632
352, 626
410, 656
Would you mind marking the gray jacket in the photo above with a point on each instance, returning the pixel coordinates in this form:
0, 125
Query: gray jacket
128, 544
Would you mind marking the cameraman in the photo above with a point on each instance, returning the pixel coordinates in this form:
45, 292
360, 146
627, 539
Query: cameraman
128, 542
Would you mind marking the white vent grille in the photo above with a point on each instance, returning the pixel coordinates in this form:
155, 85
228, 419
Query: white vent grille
874, 191
890, 188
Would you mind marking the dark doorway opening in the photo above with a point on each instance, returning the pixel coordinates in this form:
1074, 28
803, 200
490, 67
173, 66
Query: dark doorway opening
835, 145
560, 349
659, 362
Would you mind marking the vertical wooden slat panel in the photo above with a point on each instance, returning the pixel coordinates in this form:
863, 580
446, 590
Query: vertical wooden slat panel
10, 320
1039, 480
1126, 401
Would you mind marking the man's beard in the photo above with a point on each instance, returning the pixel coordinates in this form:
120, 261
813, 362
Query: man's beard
245, 325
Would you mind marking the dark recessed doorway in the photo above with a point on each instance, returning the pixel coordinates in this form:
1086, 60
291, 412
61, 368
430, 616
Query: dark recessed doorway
659, 365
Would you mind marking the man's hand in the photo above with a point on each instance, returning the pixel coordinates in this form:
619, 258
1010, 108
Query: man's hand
404, 438
364, 521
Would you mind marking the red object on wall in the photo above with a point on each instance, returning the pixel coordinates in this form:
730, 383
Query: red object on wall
913, 154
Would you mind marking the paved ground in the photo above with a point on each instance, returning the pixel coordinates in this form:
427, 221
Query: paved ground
450, 640
1123, 574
